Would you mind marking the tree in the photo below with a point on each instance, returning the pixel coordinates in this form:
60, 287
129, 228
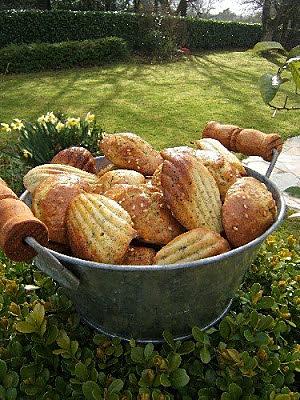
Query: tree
199, 7
278, 16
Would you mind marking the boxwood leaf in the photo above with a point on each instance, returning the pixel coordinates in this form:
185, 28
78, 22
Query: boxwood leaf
91, 391
137, 355
25, 327
265, 302
3, 369
164, 380
169, 339
205, 355
148, 351
179, 378
174, 360
81, 372
116, 386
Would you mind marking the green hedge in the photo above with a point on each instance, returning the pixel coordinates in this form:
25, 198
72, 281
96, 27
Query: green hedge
57, 26
46, 56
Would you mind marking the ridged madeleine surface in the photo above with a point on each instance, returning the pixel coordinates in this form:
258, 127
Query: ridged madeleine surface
248, 211
36, 175
50, 202
191, 192
191, 246
215, 145
224, 173
121, 176
139, 255
127, 150
99, 229
78, 157
152, 220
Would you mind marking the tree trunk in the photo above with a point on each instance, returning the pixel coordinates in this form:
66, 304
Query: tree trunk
44, 4
182, 8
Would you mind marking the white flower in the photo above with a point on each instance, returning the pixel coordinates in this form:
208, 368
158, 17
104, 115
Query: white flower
17, 125
90, 118
27, 153
59, 126
42, 120
5, 127
73, 122
50, 117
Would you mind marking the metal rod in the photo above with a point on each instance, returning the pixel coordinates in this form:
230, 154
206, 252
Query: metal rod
272, 163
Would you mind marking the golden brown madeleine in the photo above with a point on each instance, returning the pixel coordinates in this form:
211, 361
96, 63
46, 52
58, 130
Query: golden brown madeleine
191, 192
152, 220
225, 175
36, 175
99, 229
51, 199
191, 246
215, 145
121, 176
139, 255
106, 168
130, 151
78, 157
155, 180
248, 211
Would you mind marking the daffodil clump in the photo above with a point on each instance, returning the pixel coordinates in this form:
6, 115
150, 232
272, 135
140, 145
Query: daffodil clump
41, 140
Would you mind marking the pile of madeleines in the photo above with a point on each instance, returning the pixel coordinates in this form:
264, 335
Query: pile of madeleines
148, 207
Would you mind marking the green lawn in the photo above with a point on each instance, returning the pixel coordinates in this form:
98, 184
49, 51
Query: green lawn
168, 104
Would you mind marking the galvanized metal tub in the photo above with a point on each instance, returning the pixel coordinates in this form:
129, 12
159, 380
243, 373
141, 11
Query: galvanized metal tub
141, 301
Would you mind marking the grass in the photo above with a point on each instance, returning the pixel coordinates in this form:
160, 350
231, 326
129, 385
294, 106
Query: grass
167, 104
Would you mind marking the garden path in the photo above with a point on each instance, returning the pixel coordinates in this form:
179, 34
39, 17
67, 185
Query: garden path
286, 172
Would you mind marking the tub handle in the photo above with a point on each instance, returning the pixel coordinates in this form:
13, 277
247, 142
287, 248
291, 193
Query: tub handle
23, 236
51, 266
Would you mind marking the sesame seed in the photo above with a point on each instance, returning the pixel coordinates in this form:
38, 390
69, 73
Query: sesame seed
246, 216
235, 228
245, 206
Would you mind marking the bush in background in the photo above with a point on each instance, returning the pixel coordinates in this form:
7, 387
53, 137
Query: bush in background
58, 26
47, 56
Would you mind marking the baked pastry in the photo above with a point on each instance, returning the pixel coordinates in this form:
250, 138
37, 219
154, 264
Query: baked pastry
78, 157
191, 192
99, 229
191, 246
139, 255
152, 220
119, 176
215, 145
51, 199
248, 211
127, 150
36, 175
223, 172
106, 168
155, 180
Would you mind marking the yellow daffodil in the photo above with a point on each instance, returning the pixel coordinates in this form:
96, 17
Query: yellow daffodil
17, 125
27, 153
90, 118
59, 126
50, 117
73, 122
41, 120
5, 127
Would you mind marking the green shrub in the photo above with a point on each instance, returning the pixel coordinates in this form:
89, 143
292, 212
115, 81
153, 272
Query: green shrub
158, 45
252, 354
47, 56
57, 26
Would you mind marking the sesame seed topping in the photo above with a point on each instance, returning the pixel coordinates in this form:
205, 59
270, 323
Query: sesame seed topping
245, 206
246, 216
235, 228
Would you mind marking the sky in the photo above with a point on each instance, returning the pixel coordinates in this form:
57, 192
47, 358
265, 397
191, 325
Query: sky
232, 4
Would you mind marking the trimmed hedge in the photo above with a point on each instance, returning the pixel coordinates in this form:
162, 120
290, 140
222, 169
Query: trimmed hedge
57, 26
46, 56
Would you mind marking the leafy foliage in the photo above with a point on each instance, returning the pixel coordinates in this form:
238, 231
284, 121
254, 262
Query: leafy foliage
18, 27
269, 84
253, 354
46, 56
